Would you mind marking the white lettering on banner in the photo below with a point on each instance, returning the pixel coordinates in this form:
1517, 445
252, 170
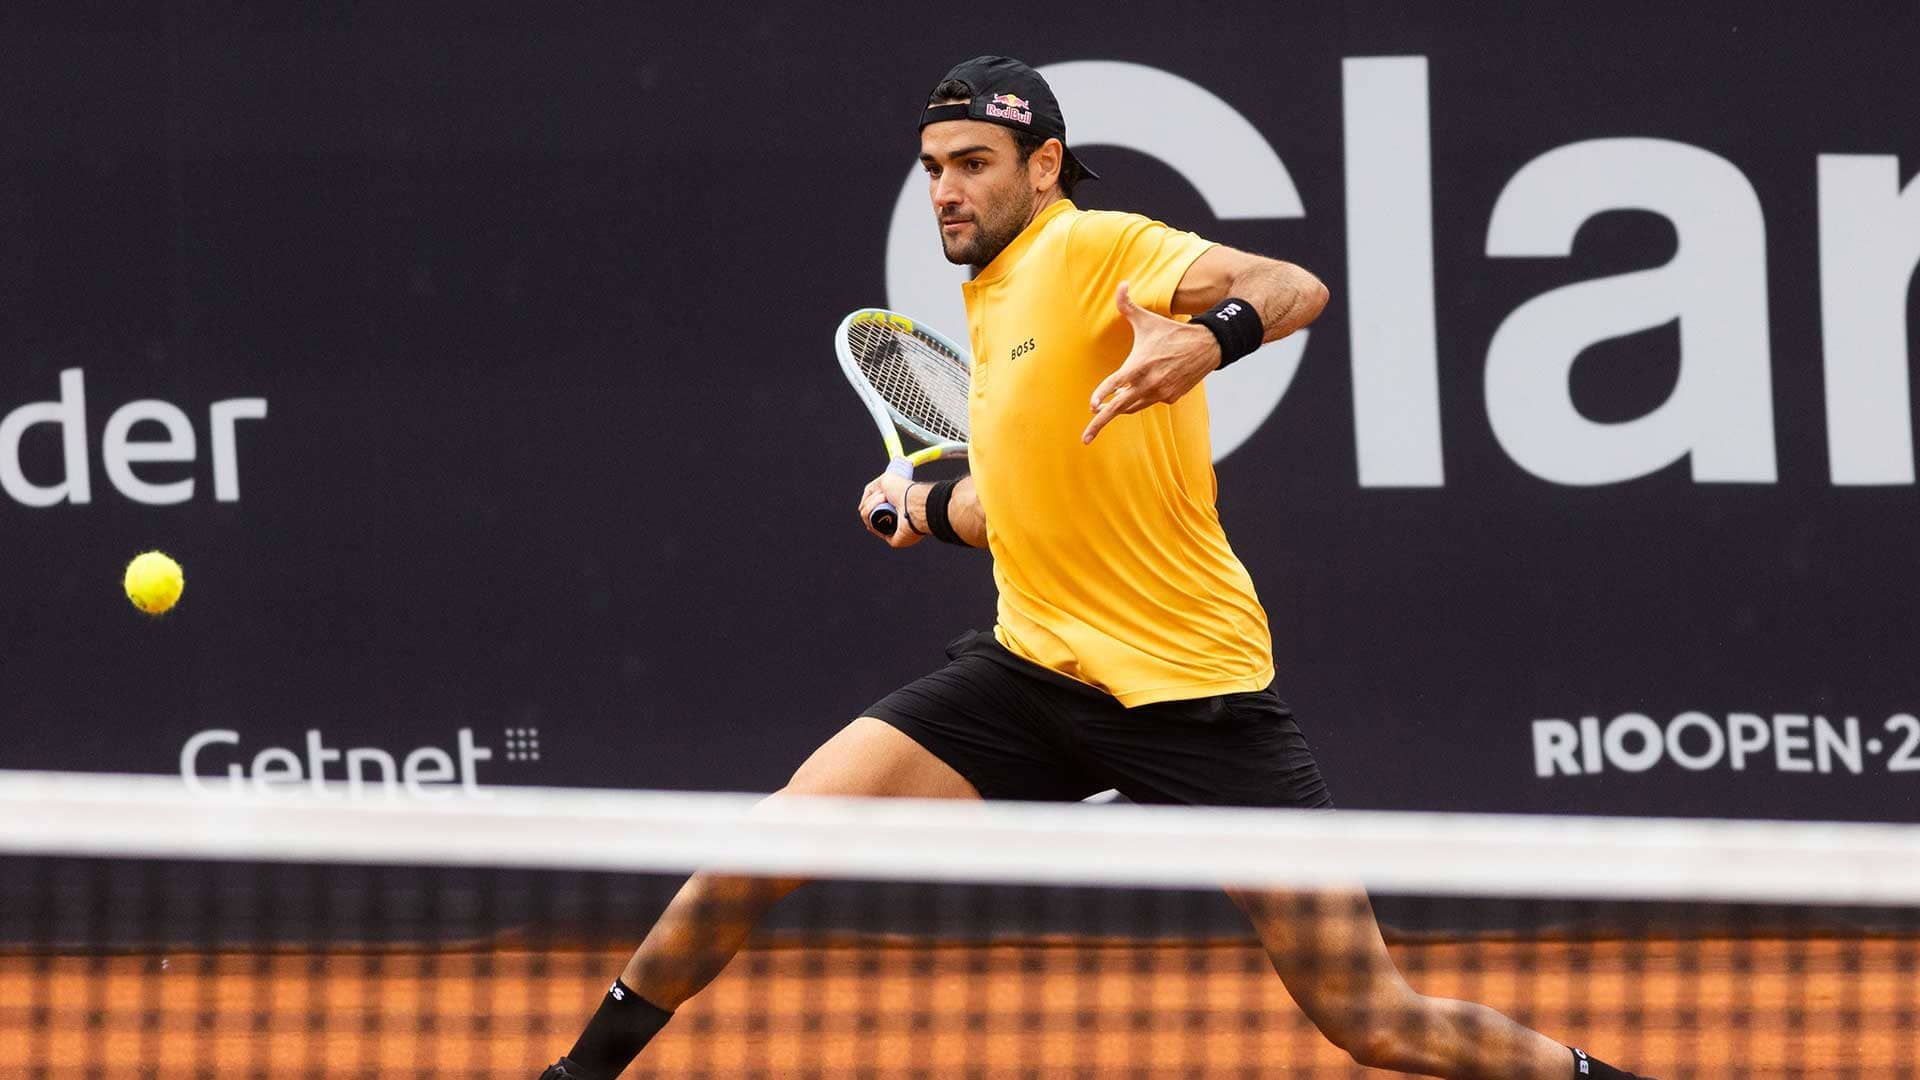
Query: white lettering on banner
426, 772
1790, 742
70, 413
1644, 732
1721, 412
1747, 735
1719, 417
222, 416
1842, 744
1869, 246
1396, 352
1713, 741
425, 766
1553, 745
1698, 741
120, 450
274, 765
358, 758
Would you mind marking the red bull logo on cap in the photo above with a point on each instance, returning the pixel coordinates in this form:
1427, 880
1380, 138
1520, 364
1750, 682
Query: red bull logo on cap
1010, 107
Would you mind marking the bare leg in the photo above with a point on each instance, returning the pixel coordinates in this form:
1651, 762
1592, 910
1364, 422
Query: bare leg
1328, 950
712, 915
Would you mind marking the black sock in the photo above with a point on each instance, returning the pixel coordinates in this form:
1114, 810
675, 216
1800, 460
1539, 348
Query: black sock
621, 1026
1586, 1067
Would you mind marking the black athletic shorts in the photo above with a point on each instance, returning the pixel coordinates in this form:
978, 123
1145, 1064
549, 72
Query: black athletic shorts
1016, 730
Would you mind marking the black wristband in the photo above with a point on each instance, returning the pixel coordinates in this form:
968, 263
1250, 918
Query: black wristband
937, 521
1236, 324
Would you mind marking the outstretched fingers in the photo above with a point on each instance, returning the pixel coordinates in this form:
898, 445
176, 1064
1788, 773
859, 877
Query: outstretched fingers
1127, 399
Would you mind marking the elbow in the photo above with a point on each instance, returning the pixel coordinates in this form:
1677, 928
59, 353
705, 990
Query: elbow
1317, 297
1310, 294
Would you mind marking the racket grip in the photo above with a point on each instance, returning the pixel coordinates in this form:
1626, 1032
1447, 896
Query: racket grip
884, 518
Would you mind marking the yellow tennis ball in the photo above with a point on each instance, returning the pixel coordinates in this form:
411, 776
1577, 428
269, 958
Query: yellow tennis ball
154, 582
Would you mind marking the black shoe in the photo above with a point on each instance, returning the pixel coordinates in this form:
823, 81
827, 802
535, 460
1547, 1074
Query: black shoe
564, 1069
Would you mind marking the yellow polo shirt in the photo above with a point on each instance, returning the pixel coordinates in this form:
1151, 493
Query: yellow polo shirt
1110, 560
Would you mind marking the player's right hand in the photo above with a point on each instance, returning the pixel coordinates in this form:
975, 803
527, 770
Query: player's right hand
892, 489
1168, 359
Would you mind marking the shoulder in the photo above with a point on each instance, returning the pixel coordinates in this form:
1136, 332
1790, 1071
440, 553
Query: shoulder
1092, 226
1103, 235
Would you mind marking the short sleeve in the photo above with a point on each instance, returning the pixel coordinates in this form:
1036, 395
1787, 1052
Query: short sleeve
1109, 248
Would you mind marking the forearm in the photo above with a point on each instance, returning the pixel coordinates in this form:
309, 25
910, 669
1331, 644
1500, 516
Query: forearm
964, 512
1288, 297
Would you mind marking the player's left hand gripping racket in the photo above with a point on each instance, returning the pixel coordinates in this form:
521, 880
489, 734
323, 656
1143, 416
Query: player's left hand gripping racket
911, 378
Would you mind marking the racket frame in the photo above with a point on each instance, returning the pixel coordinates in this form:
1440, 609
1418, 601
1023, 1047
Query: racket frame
884, 518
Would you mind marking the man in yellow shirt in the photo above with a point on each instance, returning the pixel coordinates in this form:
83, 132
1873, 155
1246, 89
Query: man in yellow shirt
1130, 650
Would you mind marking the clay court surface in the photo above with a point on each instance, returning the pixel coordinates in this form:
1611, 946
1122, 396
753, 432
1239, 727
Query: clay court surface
1715, 1008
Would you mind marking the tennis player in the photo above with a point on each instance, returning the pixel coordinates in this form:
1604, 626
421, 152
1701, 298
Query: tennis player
1130, 651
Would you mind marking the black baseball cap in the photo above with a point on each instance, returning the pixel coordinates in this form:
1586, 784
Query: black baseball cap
1011, 94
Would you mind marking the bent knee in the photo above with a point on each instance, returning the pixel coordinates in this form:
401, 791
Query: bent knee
1377, 1047
1388, 1035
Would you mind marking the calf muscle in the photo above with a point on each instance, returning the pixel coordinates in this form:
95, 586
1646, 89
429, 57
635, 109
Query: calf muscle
712, 915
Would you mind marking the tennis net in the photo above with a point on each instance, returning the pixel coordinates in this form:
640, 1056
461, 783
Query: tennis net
149, 931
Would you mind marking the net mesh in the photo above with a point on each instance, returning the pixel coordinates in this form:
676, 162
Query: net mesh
148, 934
923, 382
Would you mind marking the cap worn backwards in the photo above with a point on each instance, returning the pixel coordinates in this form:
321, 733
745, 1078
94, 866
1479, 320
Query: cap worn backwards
1011, 94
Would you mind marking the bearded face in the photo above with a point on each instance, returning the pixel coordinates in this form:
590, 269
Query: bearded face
984, 193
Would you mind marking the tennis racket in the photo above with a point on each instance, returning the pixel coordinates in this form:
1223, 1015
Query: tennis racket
912, 379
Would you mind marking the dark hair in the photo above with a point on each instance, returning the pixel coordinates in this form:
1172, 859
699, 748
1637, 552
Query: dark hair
1026, 142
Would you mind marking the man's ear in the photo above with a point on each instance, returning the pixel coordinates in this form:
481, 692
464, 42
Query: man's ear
1045, 164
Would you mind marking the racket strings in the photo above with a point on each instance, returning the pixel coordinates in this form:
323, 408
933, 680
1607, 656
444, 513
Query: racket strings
923, 384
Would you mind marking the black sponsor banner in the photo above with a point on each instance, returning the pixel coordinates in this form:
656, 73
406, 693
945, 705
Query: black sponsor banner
477, 368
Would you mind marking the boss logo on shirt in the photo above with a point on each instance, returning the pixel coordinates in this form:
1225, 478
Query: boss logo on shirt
1021, 349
